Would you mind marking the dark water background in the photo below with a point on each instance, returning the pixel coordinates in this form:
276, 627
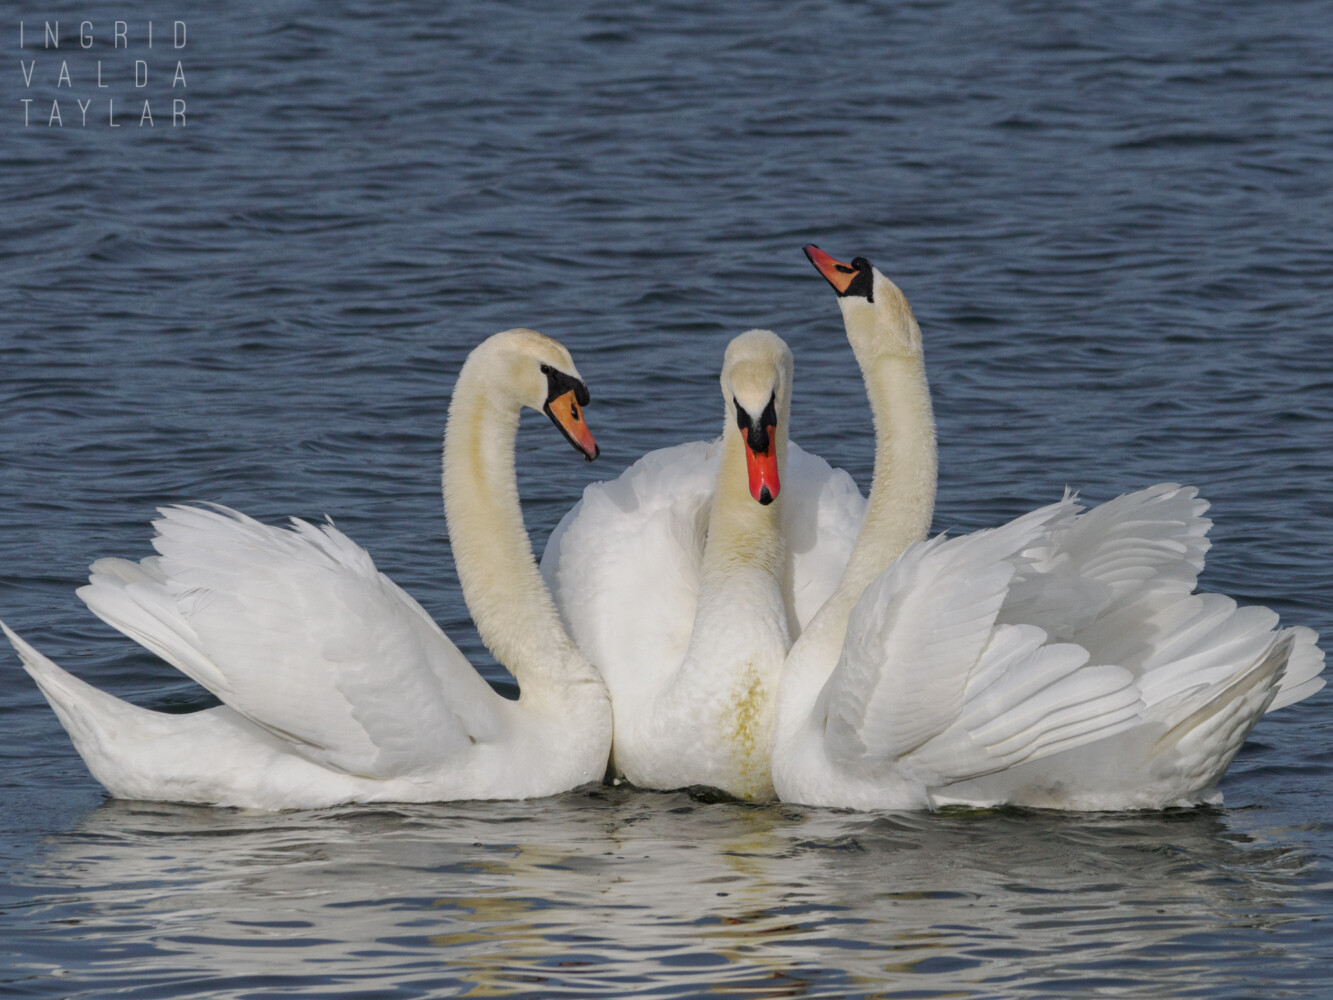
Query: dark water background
1113, 221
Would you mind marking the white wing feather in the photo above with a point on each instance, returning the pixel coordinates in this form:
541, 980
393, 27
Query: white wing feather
1087, 565
299, 632
822, 511
928, 684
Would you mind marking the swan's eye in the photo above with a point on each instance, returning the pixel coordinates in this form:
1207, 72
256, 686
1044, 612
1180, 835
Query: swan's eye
546, 369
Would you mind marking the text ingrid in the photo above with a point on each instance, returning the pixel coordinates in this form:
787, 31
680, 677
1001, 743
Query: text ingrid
117, 74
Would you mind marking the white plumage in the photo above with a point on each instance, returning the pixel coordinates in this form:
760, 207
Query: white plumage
1062, 660
680, 589
336, 685
624, 562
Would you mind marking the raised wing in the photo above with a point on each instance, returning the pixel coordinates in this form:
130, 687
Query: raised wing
929, 685
1088, 566
298, 631
1119, 580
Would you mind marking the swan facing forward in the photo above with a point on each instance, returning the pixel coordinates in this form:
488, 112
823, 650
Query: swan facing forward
684, 591
701, 714
1062, 660
336, 685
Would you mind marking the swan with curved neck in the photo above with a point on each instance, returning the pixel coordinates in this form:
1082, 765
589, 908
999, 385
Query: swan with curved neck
1061, 660
509, 603
886, 341
672, 580
336, 685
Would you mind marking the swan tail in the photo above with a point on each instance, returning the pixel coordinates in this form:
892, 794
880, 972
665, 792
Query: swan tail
1204, 644
1198, 708
117, 741
213, 757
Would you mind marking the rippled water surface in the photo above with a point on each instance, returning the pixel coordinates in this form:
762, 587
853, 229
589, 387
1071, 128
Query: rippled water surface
1113, 221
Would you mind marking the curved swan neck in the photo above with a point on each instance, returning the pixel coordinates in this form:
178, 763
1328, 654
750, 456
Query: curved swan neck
508, 600
887, 343
902, 492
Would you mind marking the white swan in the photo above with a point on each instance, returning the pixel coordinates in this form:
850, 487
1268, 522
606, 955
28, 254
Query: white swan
337, 686
690, 633
1062, 660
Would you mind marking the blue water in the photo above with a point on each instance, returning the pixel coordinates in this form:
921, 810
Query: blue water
1112, 220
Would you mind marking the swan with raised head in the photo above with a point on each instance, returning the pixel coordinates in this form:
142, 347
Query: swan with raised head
336, 685
1062, 660
672, 581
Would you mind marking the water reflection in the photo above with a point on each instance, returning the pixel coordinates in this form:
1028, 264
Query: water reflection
606, 892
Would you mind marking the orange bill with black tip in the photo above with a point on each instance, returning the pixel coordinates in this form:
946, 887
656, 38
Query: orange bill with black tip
835, 272
565, 412
763, 469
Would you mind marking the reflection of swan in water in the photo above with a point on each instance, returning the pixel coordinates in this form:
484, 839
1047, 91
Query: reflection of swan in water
601, 893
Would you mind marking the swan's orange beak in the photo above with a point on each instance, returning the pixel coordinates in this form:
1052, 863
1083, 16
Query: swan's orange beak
763, 469
565, 412
835, 272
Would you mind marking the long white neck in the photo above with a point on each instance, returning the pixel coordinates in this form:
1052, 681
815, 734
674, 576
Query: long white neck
902, 492
739, 638
887, 344
745, 552
508, 600
740, 608
743, 535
